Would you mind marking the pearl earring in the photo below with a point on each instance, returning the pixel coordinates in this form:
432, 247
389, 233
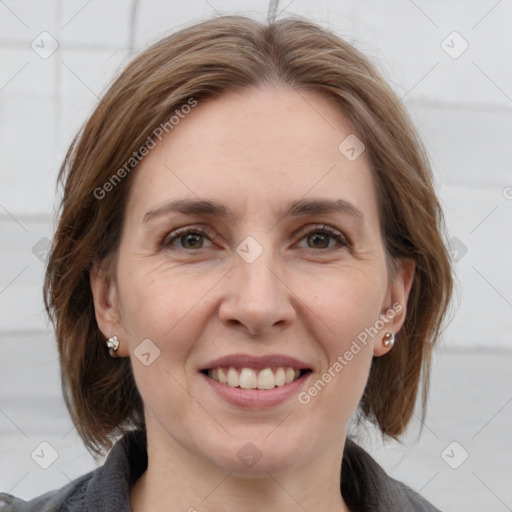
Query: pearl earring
112, 345
389, 339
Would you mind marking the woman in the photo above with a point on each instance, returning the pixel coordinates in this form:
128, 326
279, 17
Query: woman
314, 286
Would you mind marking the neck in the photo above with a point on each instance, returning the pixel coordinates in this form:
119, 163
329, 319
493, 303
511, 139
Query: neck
178, 480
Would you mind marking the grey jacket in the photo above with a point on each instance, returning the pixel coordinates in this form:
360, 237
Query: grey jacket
364, 485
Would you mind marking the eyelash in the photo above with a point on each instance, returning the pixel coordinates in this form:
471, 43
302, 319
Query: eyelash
343, 241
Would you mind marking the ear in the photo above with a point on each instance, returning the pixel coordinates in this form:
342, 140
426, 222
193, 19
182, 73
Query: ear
395, 304
106, 306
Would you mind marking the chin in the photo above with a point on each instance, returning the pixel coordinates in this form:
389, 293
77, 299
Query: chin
242, 456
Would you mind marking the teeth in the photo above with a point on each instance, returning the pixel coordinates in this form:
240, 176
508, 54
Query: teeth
233, 380
266, 379
222, 377
249, 378
280, 377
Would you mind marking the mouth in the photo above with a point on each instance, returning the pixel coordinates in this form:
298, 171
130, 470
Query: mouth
248, 381
258, 379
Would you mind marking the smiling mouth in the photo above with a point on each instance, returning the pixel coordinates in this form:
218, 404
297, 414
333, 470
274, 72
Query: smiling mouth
249, 378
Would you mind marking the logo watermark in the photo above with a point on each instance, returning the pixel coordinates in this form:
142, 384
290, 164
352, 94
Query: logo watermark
138, 156
343, 360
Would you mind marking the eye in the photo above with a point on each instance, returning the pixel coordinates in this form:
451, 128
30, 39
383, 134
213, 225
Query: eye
321, 235
190, 238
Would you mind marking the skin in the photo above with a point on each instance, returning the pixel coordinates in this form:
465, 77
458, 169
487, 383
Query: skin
196, 299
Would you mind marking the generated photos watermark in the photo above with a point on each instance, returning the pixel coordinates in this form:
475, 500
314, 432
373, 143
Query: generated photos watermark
343, 360
138, 156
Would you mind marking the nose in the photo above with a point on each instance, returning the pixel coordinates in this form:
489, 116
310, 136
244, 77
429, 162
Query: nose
257, 297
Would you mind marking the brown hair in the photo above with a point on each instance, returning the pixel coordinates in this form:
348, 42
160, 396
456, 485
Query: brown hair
201, 62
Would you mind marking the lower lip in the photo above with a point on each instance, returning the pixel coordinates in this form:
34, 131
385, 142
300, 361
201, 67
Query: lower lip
256, 398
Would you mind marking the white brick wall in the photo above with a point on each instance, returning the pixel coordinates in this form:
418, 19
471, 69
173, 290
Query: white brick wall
462, 106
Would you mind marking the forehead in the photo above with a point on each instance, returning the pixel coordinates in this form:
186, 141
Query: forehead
267, 146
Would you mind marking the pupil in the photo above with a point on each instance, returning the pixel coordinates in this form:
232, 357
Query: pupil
189, 238
316, 237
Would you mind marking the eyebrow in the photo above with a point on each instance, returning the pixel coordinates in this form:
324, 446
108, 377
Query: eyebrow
297, 208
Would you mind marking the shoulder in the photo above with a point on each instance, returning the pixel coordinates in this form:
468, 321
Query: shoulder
70, 498
104, 489
367, 487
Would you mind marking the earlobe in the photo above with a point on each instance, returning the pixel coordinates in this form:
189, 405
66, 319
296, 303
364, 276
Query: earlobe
106, 305
395, 309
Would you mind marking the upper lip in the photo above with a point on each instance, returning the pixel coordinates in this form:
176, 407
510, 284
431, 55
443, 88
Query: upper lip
257, 362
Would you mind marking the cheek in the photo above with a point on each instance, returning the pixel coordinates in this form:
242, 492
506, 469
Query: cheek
156, 300
346, 309
170, 307
166, 308
347, 303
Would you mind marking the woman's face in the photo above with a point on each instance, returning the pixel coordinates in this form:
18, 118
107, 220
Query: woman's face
252, 278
